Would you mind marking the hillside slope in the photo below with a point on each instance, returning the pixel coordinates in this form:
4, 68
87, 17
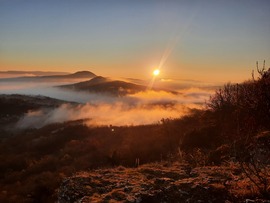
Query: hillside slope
104, 85
113, 87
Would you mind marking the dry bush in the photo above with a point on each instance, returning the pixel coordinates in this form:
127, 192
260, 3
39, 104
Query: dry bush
241, 110
259, 176
255, 163
197, 158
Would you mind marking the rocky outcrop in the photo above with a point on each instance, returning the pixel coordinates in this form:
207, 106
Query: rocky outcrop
148, 183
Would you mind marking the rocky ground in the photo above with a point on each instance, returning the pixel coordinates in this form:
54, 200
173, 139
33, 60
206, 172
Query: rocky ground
160, 182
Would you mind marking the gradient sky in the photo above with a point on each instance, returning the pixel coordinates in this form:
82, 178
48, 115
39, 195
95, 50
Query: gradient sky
209, 40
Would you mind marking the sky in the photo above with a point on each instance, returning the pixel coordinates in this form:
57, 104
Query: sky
209, 40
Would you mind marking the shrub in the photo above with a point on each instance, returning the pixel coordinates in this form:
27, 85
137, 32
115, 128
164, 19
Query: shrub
255, 163
244, 106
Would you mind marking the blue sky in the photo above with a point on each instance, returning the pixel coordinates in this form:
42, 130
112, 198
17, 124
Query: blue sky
205, 40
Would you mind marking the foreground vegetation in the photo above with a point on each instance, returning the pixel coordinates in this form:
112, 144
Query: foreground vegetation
232, 133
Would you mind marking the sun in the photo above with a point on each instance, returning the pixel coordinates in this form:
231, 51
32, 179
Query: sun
156, 72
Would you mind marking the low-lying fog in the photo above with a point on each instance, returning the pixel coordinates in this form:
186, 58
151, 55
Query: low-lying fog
101, 109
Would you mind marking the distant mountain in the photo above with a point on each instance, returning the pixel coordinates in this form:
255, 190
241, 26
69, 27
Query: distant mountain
13, 73
104, 85
79, 74
94, 81
49, 78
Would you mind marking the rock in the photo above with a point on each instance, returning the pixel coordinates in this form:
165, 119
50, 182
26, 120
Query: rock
166, 184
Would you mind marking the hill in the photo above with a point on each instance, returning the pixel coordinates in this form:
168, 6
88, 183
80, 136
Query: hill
103, 85
50, 78
79, 74
13, 74
14, 106
113, 87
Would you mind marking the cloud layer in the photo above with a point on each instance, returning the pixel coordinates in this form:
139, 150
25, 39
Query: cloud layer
100, 109
139, 109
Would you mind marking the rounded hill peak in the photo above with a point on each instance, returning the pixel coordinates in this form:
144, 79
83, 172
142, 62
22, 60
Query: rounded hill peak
99, 79
84, 74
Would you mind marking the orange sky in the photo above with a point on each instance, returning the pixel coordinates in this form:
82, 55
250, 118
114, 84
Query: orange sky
216, 41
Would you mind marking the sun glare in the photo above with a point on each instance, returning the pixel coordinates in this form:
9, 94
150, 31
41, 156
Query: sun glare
156, 72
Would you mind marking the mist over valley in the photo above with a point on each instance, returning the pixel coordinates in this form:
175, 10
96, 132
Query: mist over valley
105, 101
